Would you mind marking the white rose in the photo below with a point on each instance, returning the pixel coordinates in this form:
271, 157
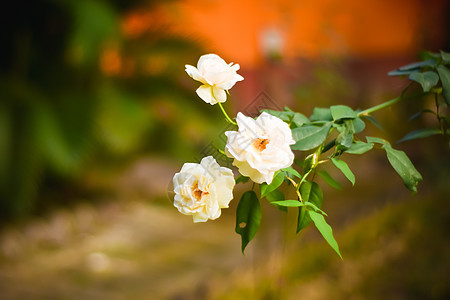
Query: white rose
216, 75
201, 190
260, 147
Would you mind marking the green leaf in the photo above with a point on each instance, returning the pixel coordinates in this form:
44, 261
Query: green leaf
248, 217
286, 116
342, 112
330, 180
358, 125
299, 119
426, 79
308, 137
419, 134
321, 114
312, 193
426, 55
292, 171
345, 138
445, 56
401, 73
325, 230
315, 208
418, 114
418, 65
274, 196
288, 203
277, 180
342, 165
444, 74
242, 178
404, 167
413, 67
359, 147
374, 121
371, 139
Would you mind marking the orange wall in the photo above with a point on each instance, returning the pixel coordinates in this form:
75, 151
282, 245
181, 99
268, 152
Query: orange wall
308, 28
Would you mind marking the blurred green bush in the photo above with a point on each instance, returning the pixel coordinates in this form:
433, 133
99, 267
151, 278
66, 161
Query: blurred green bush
77, 92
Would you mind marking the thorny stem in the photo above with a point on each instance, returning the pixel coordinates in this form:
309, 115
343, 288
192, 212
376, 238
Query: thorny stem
226, 115
296, 189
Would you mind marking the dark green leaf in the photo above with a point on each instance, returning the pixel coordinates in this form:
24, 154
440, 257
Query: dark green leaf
426, 55
242, 178
404, 167
277, 180
321, 114
444, 74
426, 79
310, 192
418, 114
276, 195
342, 165
374, 121
419, 134
359, 147
292, 171
308, 137
445, 56
330, 180
248, 217
418, 65
401, 73
342, 112
325, 230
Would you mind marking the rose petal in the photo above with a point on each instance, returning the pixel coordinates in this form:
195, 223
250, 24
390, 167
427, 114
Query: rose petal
205, 93
219, 94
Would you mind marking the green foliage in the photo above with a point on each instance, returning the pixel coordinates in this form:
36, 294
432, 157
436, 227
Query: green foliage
444, 74
330, 180
325, 230
342, 165
290, 117
311, 193
420, 134
242, 178
401, 164
359, 147
342, 112
248, 217
62, 115
426, 79
308, 137
278, 178
274, 197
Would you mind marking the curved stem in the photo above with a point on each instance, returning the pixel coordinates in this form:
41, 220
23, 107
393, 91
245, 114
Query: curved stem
226, 115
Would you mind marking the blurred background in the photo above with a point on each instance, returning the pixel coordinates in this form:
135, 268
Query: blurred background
97, 114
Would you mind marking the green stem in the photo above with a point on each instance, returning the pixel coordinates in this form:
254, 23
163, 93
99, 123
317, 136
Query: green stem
378, 107
388, 103
226, 115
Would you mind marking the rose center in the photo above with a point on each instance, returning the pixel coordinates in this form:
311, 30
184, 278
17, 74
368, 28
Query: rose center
198, 193
260, 144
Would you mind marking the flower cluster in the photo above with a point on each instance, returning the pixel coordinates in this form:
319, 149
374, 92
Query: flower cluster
259, 147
